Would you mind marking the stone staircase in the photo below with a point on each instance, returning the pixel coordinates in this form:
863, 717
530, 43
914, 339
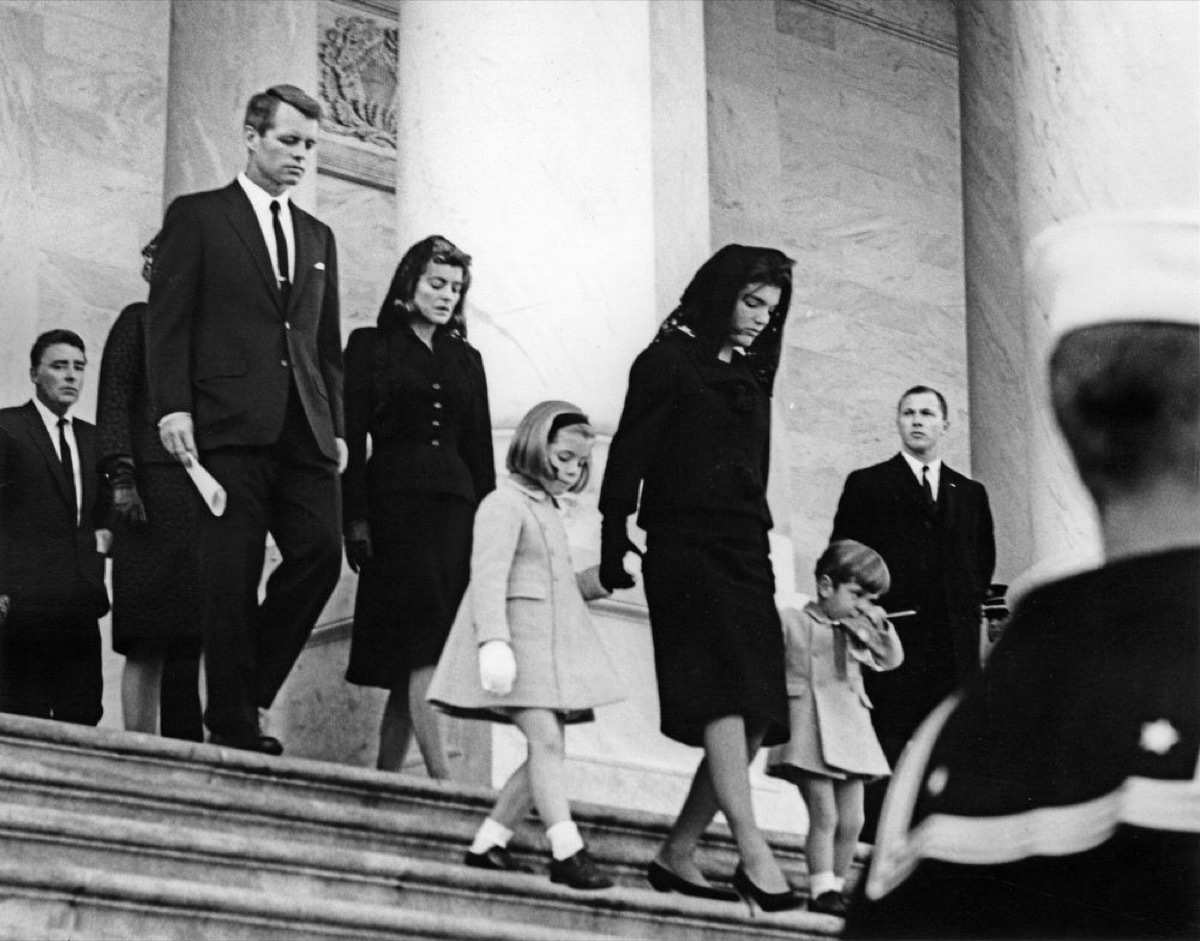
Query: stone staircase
110, 834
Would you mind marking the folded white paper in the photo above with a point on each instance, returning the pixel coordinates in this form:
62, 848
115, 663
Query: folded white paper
212, 492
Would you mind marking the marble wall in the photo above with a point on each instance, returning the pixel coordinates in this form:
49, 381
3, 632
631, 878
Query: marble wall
834, 135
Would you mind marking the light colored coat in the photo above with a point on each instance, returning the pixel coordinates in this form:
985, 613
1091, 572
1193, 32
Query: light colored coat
824, 682
524, 591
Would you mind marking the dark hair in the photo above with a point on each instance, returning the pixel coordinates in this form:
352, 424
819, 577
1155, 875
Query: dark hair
261, 108
849, 561
529, 450
48, 339
707, 304
923, 390
1127, 398
438, 250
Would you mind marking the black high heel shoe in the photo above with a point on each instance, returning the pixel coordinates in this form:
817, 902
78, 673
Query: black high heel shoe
662, 879
767, 901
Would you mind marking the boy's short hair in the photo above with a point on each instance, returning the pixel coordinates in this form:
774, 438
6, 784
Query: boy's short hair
529, 450
849, 561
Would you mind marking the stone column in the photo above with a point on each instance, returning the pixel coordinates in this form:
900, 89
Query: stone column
525, 136
1068, 107
222, 52
20, 50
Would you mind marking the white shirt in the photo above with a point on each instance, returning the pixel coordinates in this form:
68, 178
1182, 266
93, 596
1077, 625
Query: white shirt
260, 201
50, 420
935, 471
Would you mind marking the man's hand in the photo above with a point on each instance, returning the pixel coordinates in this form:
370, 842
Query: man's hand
104, 540
175, 432
497, 667
358, 545
343, 454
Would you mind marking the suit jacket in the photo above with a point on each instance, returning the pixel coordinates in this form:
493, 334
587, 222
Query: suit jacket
941, 563
524, 591
48, 561
221, 343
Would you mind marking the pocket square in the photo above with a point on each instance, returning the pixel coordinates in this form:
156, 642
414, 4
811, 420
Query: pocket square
320, 266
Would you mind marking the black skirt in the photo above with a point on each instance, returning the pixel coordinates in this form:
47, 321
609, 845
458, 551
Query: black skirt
718, 643
409, 592
156, 597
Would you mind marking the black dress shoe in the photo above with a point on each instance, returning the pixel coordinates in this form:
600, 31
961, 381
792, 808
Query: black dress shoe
663, 880
829, 903
767, 901
263, 744
579, 872
495, 858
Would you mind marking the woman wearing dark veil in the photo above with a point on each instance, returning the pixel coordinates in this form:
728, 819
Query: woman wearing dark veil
695, 435
417, 388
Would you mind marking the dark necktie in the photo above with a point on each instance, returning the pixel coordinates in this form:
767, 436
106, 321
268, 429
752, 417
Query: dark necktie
281, 250
927, 488
64, 455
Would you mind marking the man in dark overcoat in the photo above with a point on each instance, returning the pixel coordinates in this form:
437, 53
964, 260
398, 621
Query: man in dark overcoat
244, 362
933, 527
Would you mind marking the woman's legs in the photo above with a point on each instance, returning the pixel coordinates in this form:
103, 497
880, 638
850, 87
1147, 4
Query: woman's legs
427, 723
723, 782
406, 713
141, 683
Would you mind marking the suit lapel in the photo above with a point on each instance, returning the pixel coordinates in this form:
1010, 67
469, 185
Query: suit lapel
245, 223
948, 496
41, 439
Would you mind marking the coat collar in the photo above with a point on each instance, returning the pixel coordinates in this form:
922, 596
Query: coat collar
529, 488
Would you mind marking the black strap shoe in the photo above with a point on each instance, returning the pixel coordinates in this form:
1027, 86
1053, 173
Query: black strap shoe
663, 880
497, 859
579, 872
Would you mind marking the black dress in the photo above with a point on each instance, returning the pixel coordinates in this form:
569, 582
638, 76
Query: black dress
155, 588
426, 411
695, 433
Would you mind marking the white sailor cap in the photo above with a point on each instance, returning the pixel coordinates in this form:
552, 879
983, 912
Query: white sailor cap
1117, 268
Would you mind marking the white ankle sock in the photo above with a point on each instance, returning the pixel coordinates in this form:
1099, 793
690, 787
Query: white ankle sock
490, 834
565, 840
821, 882
839, 883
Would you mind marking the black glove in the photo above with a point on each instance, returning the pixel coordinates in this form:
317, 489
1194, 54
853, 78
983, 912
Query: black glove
614, 544
5, 606
358, 545
127, 503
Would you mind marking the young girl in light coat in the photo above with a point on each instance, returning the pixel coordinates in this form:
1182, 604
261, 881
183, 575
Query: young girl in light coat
833, 748
522, 648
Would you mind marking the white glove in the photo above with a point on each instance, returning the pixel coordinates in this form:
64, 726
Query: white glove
497, 667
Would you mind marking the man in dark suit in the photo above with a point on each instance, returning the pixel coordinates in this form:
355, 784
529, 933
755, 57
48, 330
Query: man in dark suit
49, 566
244, 361
933, 527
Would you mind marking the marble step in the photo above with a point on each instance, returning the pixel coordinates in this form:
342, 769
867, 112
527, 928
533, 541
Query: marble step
158, 780
61, 901
279, 870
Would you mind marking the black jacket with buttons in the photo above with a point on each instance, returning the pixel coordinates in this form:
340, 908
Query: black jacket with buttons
426, 411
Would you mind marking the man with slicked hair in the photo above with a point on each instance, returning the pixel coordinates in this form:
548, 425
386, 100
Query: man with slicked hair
244, 363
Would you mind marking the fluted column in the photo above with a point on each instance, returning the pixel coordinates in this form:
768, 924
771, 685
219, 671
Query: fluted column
1068, 107
222, 52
